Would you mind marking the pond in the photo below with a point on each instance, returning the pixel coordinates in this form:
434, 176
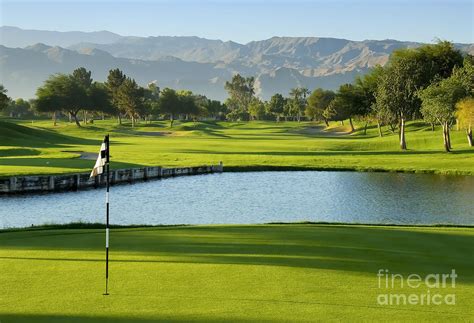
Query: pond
259, 197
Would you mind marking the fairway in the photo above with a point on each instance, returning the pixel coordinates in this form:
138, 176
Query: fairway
295, 272
41, 148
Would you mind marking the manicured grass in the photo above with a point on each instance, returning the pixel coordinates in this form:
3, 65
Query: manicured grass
40, 148
295, 272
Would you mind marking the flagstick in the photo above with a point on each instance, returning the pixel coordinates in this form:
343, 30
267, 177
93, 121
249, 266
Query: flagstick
107, 218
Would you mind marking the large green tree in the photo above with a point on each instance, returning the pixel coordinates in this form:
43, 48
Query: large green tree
93, 99
465, 115
151, 100
298, 101
4, 99
276, 106
257, 109
409, 71
396, 95
439, 102
367, 87
114, 80
241, 93
235, 113
82, 77
131, 99
215, 109
61, 92
202, 104
188, 105
100, 99
466, 75
169, 104
70, 94
318, 102
348, 103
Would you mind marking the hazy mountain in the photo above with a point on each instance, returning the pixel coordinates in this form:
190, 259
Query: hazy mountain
17, 37
186, 48
310, 55
24, 69
198, 64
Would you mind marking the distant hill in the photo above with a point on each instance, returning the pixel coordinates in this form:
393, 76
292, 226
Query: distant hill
199, 64
24, 69
311, 56
17, 37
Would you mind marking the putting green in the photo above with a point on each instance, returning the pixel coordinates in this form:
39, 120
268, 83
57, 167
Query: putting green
40, 148
295, 272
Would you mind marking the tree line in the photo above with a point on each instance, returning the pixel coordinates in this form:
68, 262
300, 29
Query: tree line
79, 97
434, 82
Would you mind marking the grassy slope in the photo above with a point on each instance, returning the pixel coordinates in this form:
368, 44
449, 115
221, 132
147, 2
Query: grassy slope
37, 148
213, 273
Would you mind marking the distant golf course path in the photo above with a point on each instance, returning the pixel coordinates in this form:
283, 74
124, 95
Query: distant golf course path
38, 147
258, 273
84, 155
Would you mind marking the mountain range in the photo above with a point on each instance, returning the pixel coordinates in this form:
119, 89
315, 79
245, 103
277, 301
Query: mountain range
28, 57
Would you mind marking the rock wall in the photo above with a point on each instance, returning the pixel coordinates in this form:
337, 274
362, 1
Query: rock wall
72, 182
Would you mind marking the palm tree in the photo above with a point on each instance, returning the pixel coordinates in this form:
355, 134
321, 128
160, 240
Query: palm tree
305, 93
298, 95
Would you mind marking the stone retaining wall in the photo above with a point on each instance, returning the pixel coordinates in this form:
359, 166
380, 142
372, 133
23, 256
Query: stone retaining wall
72, 182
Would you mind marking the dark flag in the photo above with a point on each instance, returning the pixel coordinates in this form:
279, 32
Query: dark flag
103, 162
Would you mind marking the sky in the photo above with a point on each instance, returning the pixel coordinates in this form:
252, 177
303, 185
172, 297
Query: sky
245, 20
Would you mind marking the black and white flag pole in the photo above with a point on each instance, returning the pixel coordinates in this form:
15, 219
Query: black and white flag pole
102, 162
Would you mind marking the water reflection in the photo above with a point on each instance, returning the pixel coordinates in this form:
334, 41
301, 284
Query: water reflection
259, 198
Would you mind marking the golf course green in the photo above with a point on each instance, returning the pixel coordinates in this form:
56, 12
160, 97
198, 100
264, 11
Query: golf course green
294, 272
258, 273
38, 147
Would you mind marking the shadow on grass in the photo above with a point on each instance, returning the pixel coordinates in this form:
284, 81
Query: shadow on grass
320, 132
347, 248
213, 133
40, 318
12, 134
252, 126
327, 152
206, 128
202, 125
14, 152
